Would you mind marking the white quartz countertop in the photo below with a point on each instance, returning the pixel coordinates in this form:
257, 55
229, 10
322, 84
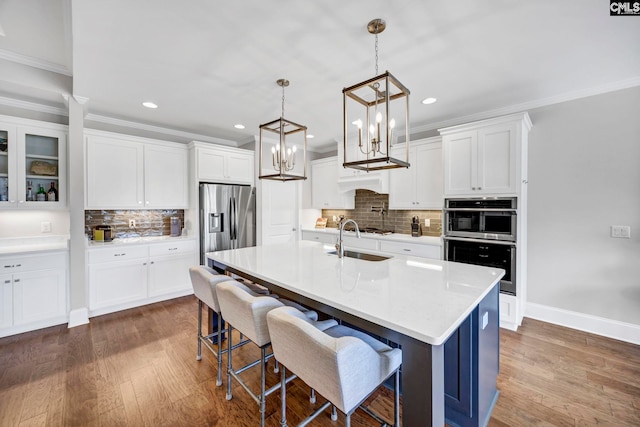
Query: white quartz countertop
136, 241
424, 299
395, 237
20, 245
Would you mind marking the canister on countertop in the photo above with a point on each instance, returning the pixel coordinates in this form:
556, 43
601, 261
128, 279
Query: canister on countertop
106, 233
415, 226
175, 226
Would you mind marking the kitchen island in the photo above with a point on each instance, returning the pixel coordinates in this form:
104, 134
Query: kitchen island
422, 305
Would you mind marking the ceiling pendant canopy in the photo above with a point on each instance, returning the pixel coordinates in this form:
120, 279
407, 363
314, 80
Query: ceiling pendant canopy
281, 153
375, 112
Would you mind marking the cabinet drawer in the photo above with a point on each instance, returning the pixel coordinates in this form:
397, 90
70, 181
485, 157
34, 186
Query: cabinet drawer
413, 249
119, 253
171, 248
318, 237
32, 262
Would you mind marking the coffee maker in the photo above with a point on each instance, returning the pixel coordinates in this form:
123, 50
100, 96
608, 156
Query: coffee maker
415, 227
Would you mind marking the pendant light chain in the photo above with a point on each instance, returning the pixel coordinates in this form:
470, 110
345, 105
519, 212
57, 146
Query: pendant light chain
376, 54
282, 101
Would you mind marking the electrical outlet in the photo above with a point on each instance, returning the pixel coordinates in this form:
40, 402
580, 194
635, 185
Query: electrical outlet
132, 223
621, 231
427, 222
45, 227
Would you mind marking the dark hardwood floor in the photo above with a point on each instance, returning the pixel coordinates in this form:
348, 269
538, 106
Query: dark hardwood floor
138, 368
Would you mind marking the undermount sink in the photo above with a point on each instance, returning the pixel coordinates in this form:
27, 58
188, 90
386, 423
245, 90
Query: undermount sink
361, 255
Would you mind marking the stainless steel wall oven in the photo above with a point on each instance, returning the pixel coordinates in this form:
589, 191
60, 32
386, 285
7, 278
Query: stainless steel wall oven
482, 231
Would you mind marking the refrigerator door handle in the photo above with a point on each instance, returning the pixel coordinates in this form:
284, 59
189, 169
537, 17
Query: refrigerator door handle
233, 222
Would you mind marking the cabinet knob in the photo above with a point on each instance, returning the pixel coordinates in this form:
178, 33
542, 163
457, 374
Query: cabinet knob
147, 202
139, 202
151, 262
20, 201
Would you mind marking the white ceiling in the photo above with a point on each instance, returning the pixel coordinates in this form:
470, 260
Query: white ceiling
212, 64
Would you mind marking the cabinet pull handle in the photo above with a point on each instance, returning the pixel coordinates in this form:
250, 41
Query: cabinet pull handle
407, 250
122, 254
16, 280
9, 266
173, 249
152, 262
18, 265
144, 263
7, 281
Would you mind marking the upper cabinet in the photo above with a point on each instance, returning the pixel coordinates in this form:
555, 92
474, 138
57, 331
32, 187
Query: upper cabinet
125, 172
325, 193
420, 186
486, 157
32, 160
219, 164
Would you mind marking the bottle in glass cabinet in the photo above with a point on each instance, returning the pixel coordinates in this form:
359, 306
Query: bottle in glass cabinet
41, 196
52, 194
30, 191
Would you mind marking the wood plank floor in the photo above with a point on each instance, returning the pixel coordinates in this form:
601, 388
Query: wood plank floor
138, 368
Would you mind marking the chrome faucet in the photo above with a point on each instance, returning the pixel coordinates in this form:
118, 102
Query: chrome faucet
339, 245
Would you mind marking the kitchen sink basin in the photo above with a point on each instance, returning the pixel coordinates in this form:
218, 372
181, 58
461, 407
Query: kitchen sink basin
361, 255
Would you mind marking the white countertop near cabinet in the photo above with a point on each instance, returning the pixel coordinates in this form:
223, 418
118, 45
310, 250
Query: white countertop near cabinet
20, 245
393, 237
143, 240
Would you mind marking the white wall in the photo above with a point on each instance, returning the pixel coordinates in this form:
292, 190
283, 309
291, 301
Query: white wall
584, 176
27, 223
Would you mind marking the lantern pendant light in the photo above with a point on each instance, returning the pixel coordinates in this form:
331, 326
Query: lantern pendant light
292, 139
372, 111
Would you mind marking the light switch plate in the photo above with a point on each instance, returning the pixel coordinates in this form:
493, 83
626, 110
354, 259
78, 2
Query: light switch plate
45, 227
621, 231
427, 222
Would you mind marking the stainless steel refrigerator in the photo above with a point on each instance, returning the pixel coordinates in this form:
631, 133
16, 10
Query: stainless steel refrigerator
227, 217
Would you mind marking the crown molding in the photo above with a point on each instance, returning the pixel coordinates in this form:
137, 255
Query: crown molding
159, 129
34, 62
33, 106
543, 102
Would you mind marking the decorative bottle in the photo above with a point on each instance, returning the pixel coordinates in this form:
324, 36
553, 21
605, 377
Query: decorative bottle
52, 194
41, 196
29, 191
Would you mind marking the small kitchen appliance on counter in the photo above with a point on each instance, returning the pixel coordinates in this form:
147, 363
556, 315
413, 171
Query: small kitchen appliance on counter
102, 233
175, 226
415, 227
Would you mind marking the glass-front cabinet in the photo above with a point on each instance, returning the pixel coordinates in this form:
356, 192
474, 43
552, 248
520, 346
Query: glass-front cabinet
32, 166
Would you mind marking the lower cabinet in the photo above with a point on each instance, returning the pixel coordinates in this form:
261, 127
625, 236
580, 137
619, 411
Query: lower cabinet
129, 276
33, 292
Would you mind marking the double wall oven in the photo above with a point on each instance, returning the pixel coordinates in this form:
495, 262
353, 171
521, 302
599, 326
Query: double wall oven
482, 231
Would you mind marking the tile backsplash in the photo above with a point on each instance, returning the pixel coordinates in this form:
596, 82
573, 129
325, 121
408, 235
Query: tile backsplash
399, 221
148, 222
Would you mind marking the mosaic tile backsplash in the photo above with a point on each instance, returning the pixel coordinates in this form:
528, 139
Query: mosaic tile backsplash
397, 221
148, 222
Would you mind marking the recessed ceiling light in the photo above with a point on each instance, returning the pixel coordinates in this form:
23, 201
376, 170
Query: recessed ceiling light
310, 136
150, 104
239, 126
429, 101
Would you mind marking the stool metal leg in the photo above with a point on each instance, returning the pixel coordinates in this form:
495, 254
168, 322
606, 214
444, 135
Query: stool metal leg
199, 357
283, 397
396, 400
334, 413
229, 365
219, 379
312, 397
263, 374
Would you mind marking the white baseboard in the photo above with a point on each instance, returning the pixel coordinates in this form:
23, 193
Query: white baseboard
585, 322
79, 316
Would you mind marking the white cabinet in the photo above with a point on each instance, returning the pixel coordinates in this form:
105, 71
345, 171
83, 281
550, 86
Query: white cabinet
32, 155
126, 276
319, 237
325, 193
487, 157
411, 249
33, 292
420, 186
223, 164
135, 173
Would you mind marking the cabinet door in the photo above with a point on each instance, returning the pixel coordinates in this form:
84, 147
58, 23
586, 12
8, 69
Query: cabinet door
116, 283
460, 163
211, 164
240, 168
39, 295
6, 300
165, 177
402, 182
428, 176
169, 274
496, 155
325, 193
319, 237
8, 167
115, 173
42, 161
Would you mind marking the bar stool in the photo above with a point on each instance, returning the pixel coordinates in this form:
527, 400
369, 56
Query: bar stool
248, 314
342, 364
204, 281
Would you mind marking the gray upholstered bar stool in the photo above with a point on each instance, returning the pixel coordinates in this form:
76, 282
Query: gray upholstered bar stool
248, 314
342, 364
204, 281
